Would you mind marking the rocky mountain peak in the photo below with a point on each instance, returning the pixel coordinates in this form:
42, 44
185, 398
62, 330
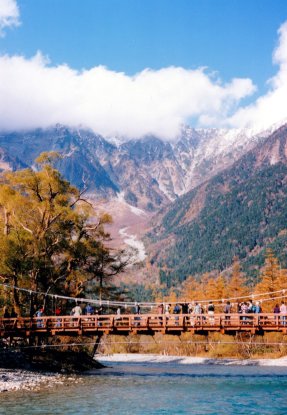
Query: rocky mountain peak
149, 172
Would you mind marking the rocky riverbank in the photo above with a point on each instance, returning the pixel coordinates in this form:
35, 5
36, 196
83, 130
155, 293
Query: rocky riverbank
35, 368
15, 380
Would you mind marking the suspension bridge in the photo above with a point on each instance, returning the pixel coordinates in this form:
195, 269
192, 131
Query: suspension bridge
25, 327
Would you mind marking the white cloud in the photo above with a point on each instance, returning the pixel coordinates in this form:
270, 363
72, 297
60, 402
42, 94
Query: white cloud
9, 15
33, 94
270, 108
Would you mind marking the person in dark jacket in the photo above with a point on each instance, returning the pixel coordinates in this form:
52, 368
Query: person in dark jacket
276, 309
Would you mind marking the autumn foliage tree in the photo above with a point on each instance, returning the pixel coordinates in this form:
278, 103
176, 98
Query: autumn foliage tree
51, 238
236, 286
273, 279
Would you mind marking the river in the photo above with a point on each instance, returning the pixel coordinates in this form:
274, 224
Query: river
171, 388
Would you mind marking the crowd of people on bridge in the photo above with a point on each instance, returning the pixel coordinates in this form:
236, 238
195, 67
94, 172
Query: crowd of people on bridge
198, 308
194, 308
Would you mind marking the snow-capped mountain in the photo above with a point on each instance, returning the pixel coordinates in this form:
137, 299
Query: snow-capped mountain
149, 172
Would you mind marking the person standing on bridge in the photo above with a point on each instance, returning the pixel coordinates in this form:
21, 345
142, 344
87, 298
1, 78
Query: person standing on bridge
137, 312
40, 313
89, 310
210, 312
13, 313
258, 308
276, 309
227, 308
176, 309
184, 308
58, 312
197, 309
76, 311
118, 312
167, 308
160, 309
283, 311
137, 308
6, 313
190, 308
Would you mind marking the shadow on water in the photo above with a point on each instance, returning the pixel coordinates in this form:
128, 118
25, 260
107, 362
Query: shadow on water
206, 370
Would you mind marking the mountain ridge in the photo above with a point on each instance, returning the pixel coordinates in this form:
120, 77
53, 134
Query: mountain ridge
149, 172
241, 210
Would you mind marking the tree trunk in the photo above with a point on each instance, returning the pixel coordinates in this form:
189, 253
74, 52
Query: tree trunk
6, 222
16, 300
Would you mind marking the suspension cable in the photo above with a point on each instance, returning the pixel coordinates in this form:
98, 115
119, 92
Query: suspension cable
126, 304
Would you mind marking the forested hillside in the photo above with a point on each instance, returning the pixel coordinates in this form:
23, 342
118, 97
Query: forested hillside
239, 212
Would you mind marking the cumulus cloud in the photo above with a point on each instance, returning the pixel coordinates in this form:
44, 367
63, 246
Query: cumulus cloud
9, 15
34, 93
270, 108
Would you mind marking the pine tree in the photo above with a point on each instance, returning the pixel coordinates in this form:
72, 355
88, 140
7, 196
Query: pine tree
236, 287
270, 276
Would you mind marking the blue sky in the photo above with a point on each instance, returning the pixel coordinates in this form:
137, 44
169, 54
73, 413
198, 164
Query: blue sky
233, 37
142, 43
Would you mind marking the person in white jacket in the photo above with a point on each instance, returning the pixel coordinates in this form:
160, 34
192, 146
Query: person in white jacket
76, 311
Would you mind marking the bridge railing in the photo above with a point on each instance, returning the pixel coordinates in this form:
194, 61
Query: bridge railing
144, 322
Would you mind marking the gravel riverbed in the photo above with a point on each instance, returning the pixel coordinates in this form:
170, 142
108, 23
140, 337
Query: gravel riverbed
14, 380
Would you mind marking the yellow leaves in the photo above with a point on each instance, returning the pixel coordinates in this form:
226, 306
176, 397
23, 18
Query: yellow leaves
282, 279
106, 219
270, 274
75, 282
6, 192
210, 287
50, 233
190, 289
236, 286
215, 288
48, 157
172, 298
272, 279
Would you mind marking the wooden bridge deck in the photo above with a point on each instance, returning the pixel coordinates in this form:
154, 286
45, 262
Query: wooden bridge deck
142, 324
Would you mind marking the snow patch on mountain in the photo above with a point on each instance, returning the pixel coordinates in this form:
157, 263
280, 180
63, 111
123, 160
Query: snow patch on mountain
134, 243
121, 199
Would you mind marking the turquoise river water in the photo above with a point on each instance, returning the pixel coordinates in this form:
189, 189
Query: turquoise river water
160, 388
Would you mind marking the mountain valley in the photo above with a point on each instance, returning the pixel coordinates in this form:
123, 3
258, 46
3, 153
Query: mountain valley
202, 199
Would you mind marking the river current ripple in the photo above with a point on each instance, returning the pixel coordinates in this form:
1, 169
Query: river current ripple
160, 388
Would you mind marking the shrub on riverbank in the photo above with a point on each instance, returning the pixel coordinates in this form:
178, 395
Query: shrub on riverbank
213, 345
